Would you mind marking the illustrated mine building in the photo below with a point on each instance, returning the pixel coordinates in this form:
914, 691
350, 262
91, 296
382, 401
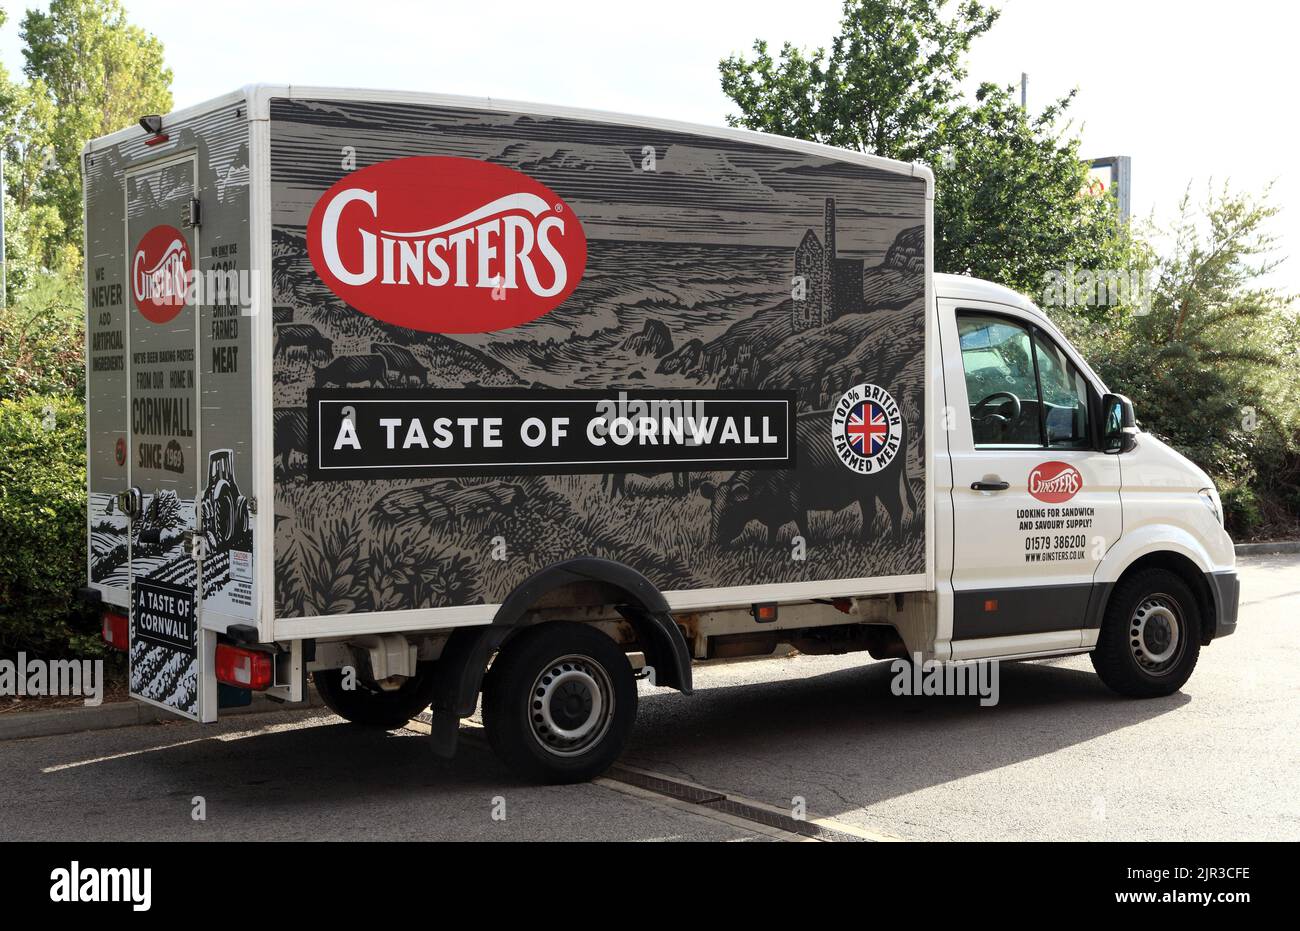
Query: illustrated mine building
833, 286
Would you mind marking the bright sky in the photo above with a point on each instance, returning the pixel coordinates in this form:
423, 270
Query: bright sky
1191, 90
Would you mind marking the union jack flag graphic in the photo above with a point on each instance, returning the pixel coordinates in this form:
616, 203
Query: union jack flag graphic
867, 428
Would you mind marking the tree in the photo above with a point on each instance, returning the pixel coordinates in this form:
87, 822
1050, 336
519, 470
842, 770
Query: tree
100, 73
1007, 195
1214, 367
1007, 198
886, 86
36, 240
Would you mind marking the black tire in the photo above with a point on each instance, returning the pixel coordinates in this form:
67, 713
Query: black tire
591, 687
1150, 636
223, 514
369, 707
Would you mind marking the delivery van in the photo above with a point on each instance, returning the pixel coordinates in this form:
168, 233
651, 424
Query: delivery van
435, 399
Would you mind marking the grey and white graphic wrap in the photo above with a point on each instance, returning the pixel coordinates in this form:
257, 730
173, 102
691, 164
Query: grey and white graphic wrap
724, 265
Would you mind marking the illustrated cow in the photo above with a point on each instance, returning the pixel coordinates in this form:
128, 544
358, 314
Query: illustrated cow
302, 336
354, 372
290, 435
820, 483
616, 482
401, 361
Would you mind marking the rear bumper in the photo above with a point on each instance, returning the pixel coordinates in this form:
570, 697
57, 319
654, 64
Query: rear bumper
1226, 589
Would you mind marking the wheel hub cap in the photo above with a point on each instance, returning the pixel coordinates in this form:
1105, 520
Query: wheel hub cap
1155, 633
571, 705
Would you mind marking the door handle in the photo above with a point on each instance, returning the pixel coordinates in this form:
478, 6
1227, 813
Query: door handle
990, 486
131, 502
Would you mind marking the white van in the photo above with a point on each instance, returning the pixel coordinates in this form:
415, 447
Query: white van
430, 398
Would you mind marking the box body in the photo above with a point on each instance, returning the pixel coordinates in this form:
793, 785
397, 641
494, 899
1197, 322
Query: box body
716, 269
453, 311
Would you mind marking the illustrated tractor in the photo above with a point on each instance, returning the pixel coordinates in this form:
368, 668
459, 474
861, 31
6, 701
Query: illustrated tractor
223, 510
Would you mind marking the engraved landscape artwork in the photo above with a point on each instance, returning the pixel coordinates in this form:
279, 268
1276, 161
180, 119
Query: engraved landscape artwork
756, 287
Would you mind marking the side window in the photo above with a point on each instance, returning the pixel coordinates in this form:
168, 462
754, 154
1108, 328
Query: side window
1064, 395
997, 356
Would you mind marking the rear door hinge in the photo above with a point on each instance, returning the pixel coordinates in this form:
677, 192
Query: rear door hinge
192, 213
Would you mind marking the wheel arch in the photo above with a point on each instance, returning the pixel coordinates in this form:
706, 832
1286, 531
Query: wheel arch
1181, 565
1152, 540
583, 580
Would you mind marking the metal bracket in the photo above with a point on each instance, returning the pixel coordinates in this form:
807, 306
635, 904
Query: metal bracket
192, 213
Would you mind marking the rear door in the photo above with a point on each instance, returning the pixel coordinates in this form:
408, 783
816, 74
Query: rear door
163, 443
1036, 503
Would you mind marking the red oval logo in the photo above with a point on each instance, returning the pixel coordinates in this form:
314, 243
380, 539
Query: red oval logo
446, 245
161, 268
1055, 482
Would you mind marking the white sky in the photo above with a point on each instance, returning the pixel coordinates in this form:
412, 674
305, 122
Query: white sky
1191, 90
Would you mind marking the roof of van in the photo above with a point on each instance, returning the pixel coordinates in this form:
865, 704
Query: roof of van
964, 287
258, 96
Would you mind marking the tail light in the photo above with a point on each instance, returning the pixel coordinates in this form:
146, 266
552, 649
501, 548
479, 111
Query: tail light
115, 630
244, 669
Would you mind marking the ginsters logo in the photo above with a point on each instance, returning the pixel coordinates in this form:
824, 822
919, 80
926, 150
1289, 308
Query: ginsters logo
446, 245
1055, 482
161, 268
866, 428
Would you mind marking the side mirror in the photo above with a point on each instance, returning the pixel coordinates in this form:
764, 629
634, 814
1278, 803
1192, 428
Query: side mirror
1119, 426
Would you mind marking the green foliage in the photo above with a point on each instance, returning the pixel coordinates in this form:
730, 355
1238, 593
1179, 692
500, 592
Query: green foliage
1007, 194
37, 240
89, 72
1214, 367
887, 85
1243, 515
1007, 205
98, 73
42, 341
43, 526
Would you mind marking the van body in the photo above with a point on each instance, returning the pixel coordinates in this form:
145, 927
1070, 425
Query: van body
433, 399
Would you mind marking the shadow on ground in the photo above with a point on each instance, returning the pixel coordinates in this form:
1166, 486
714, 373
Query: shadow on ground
304, 775
778, 737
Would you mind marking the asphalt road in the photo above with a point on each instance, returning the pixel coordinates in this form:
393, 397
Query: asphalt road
1058, 758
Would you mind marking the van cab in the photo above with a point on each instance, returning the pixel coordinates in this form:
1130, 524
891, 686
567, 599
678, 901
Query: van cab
1071, 528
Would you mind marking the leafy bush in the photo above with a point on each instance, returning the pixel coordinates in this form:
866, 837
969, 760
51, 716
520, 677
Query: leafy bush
42, 341
43, 526
1213, 364
1242, 514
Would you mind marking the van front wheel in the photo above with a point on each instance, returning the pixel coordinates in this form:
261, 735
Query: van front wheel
1150, 636
559, 702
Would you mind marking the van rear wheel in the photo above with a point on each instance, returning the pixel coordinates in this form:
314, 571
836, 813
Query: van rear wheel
1150, 637
374, 707
559, 702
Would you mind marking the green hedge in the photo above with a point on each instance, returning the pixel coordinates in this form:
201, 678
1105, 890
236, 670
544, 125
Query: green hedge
43, 527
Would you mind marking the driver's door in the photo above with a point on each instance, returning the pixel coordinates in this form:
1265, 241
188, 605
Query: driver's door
1036, 504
